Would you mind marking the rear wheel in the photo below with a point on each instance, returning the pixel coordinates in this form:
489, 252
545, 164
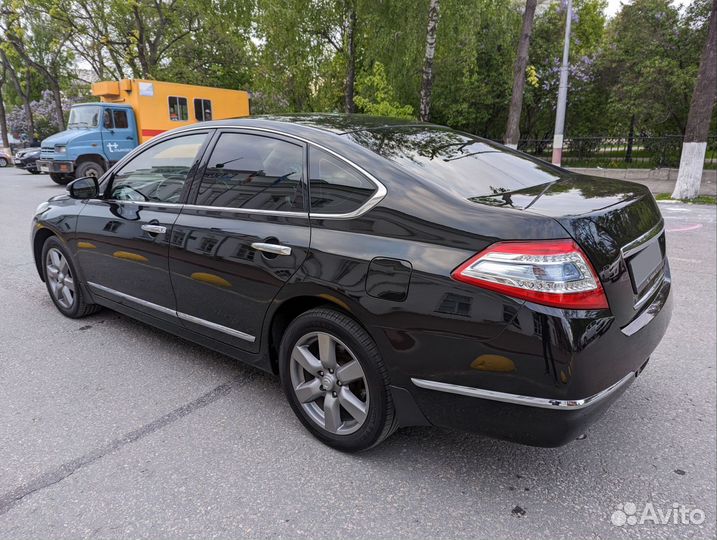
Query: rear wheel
335, 380
3, 162
62, 281
62, 179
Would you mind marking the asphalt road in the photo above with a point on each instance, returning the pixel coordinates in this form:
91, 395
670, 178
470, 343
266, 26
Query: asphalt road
111, 429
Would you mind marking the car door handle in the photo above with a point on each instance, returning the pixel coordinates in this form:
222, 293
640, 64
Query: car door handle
154, 229
276, 249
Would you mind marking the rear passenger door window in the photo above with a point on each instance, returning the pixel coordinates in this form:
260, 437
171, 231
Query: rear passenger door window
253, 172
335, 187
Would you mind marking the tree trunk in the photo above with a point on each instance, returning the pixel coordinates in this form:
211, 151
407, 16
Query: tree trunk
512, 128
3, 119
4, 139
24, 94
427, 80
694, 146
351, 60
57, 98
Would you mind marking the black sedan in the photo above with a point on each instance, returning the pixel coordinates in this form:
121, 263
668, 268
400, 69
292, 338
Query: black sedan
391, 273
27, 159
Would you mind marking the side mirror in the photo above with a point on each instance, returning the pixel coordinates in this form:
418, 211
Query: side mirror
86, 187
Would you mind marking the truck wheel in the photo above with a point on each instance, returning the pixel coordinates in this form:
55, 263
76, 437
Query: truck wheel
89, 168
61, 179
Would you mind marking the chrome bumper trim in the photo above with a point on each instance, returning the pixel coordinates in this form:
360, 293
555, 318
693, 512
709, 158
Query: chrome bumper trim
178, 314
529, 401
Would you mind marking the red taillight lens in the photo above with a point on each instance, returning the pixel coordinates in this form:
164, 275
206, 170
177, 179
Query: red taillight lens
551, 272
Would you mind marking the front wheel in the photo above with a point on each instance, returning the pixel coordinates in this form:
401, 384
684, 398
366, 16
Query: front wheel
62, 281
89, 168
335, 380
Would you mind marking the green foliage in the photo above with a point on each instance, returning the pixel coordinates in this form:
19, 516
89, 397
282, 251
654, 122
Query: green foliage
293, 56
375, 96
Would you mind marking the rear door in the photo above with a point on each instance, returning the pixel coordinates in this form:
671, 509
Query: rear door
244, 235
123, 239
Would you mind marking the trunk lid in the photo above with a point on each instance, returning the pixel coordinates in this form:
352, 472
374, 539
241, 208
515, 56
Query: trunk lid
617, 224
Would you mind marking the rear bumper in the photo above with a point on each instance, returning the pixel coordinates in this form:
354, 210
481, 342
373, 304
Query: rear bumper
545, 379
55, 166
544, 422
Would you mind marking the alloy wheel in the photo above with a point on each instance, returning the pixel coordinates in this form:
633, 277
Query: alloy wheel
329, 383
59, 276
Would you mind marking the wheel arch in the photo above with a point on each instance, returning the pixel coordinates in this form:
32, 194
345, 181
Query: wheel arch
290, 308
96, 158
41, 236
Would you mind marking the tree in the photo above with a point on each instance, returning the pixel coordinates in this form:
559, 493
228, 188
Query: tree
41, 45
512, 128
23, 87
427, 79
375, 95
698, 120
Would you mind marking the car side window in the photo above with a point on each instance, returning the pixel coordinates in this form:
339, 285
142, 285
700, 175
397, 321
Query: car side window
334, 186
253, 172
120, 118
107, 119
158, 174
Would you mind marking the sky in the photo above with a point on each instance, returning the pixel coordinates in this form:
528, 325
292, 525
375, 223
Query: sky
613, 6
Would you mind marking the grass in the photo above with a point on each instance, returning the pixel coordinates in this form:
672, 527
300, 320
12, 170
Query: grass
701, 199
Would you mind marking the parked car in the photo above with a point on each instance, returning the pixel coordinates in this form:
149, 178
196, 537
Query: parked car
390, 273
5, 159
26, 158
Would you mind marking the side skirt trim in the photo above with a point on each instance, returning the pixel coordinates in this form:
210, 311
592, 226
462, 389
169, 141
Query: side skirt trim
172, 312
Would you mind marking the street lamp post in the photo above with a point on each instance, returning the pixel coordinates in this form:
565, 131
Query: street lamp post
562, 91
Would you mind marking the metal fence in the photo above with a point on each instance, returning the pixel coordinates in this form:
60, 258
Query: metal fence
619, 152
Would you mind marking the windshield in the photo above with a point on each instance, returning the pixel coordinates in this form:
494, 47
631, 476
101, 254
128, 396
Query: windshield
83, 117
466, 165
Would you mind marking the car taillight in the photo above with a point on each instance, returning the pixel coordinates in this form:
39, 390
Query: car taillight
551, 272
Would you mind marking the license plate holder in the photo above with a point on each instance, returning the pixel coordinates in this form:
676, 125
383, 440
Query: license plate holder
645, 264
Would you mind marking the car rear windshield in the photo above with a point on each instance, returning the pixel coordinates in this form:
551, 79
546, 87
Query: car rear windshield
461, 163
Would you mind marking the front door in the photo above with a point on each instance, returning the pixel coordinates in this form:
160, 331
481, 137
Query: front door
122, 239
119, 133
246, 234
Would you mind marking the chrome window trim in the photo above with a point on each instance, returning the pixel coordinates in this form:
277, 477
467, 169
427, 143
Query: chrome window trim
377, 197
645, 238
178, 314
529, 401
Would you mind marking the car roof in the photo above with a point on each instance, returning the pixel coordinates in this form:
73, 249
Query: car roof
334, 123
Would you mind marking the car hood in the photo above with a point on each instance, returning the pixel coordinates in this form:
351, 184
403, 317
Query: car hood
67, 136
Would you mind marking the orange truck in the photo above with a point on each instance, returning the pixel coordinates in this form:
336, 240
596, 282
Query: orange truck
130, 112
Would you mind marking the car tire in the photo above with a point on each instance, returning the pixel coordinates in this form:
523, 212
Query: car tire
34, 171
62, 281
3, 162
89, 168
61, 179
316, 391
